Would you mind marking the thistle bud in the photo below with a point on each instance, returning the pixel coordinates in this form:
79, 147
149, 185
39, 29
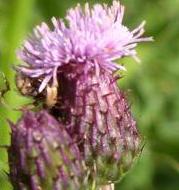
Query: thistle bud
43, 156
101, 120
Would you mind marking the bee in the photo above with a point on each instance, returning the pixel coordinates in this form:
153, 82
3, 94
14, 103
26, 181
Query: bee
26, 85
29, 87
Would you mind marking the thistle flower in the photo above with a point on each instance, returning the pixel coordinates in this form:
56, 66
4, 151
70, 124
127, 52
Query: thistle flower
77, 61
43, 156
93, 37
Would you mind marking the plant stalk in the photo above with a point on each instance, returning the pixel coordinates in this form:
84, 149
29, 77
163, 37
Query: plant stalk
108, 187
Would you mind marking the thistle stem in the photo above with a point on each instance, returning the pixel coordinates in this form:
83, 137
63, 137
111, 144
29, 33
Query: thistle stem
108, 187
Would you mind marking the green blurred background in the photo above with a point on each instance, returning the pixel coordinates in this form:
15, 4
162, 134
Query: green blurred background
152, 86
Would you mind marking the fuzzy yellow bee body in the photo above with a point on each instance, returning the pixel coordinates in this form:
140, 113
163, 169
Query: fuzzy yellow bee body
25, 86
51, 96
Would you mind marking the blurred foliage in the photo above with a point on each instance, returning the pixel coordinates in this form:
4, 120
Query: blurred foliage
153, 85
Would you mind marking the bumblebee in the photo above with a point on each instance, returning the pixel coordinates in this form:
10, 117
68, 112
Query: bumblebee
29, 87
26, 85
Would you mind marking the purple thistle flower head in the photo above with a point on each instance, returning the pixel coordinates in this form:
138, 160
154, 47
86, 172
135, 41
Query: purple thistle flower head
93, 37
